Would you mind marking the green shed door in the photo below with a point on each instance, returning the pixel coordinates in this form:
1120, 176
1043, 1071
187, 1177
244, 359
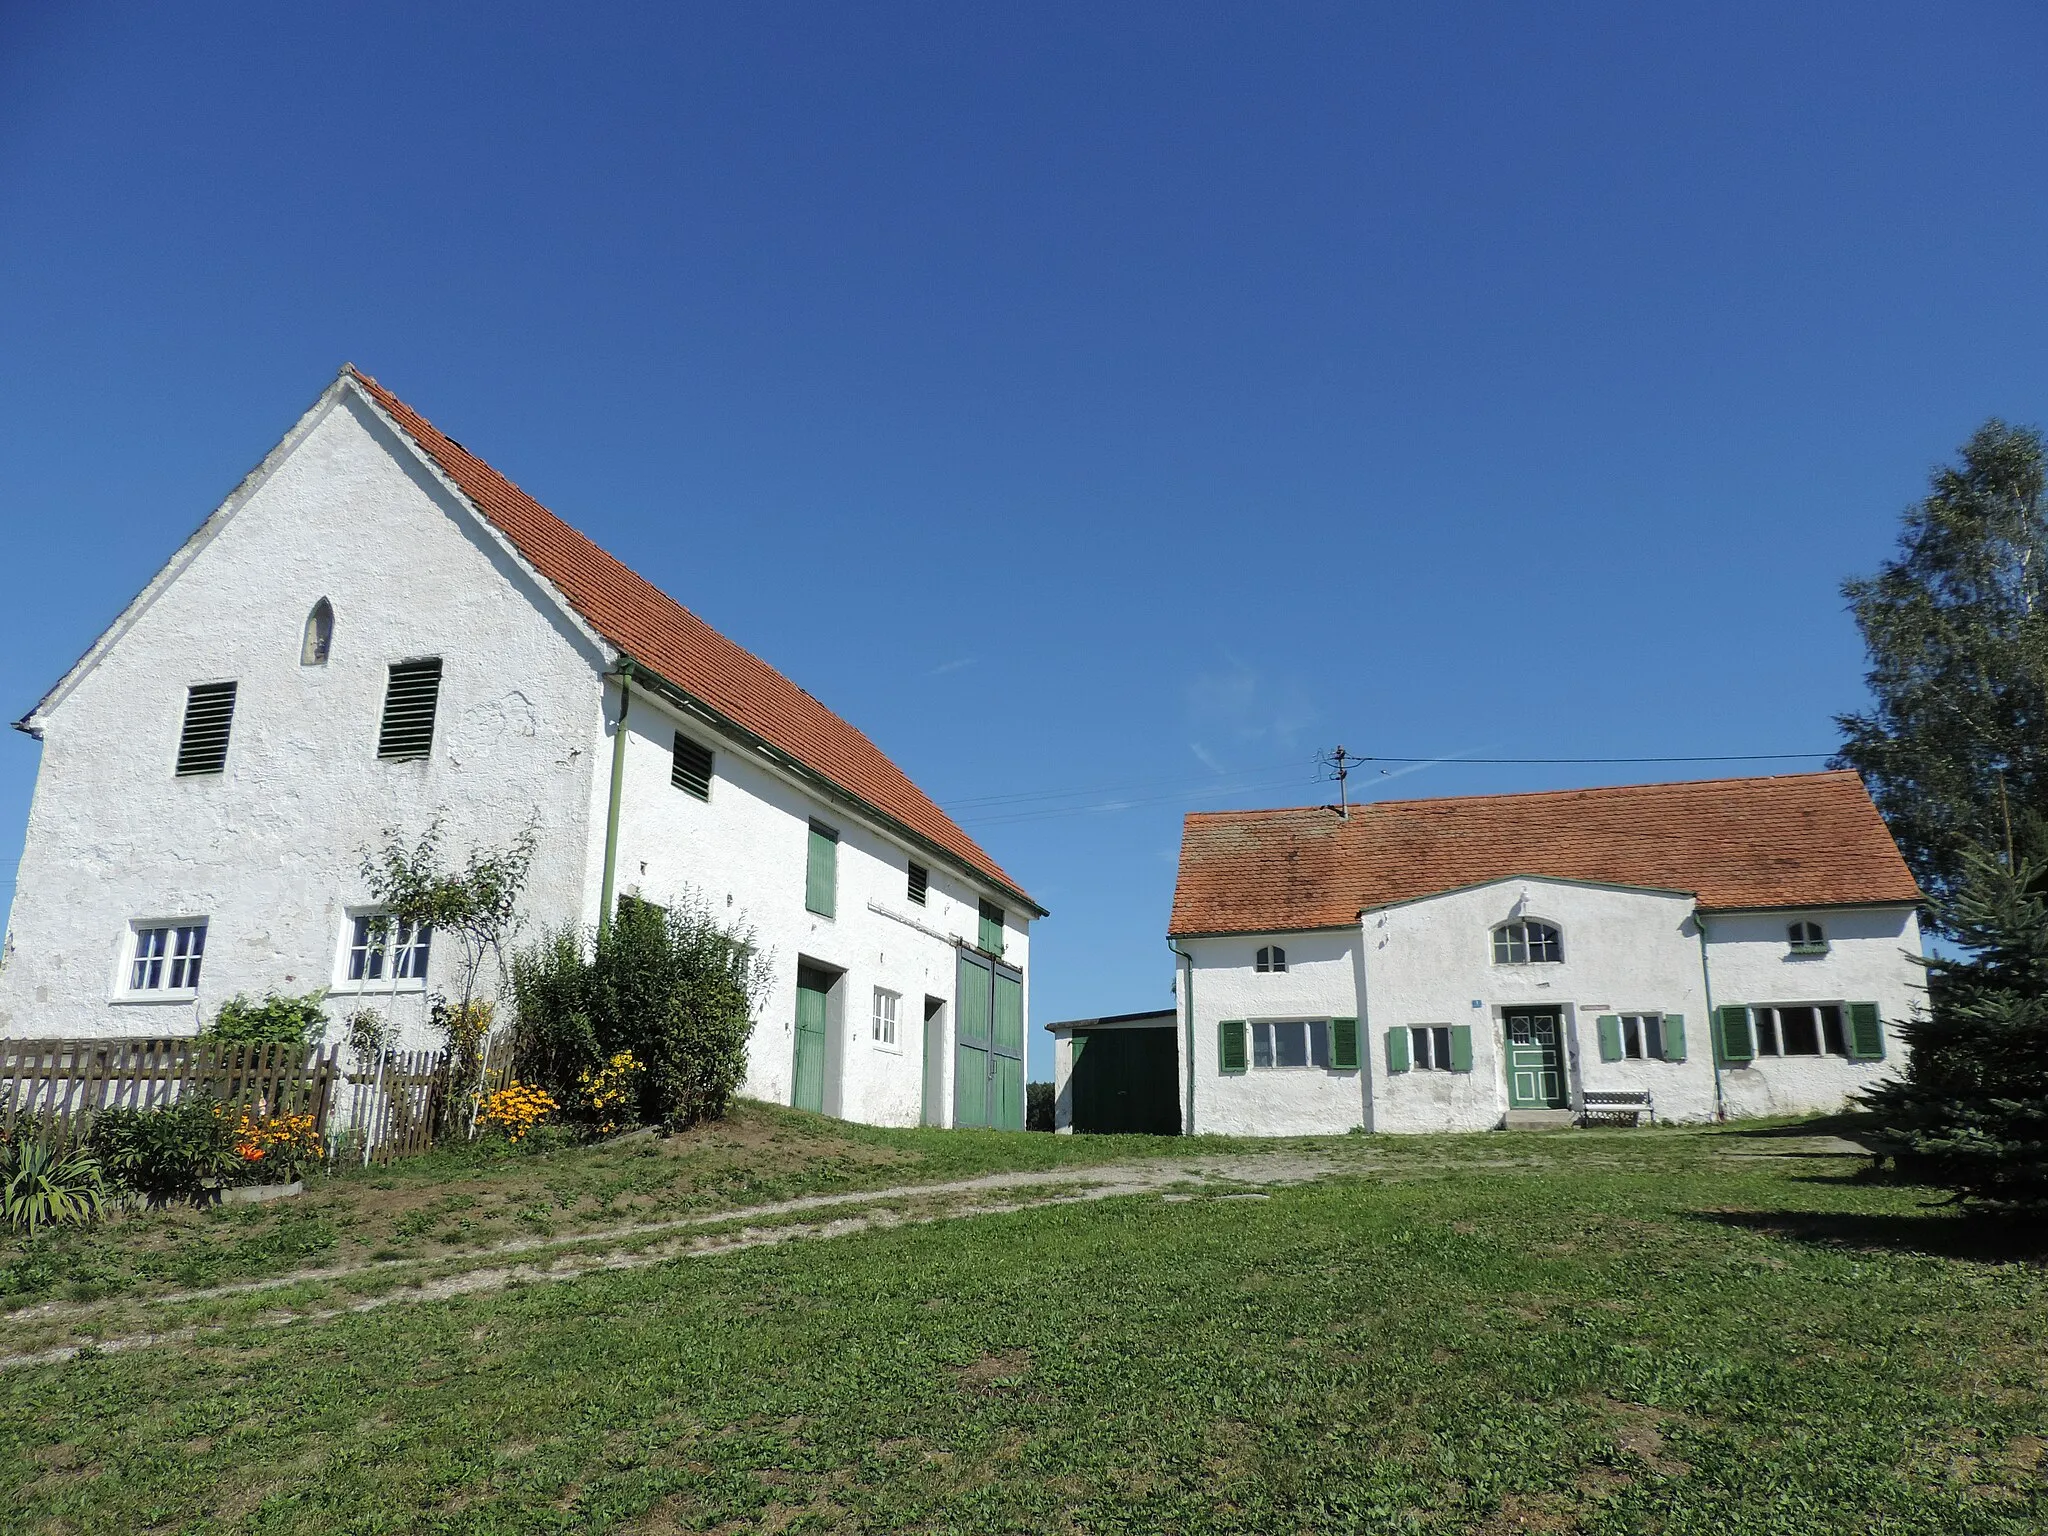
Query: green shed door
1127, 1080
807, 1091
972, 1008
1006, 1074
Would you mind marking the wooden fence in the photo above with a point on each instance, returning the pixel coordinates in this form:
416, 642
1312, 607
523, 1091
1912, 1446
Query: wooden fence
390, 1106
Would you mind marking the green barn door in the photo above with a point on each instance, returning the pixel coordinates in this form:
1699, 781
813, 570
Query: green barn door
1006, 1064
971, 1011
808, 1089
1535, 1059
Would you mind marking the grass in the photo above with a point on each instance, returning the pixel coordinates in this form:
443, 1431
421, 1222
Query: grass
472, 1197
1602, 1332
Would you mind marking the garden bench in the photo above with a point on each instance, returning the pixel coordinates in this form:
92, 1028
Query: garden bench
1616, 1107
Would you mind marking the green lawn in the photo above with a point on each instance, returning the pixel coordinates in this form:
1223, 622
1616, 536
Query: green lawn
1656, 1331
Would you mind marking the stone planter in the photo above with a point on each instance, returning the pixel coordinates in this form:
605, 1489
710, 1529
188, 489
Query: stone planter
257, 1194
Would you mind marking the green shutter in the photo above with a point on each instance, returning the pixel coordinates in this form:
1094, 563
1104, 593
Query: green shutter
821, 872
1397, 1050
991, 938
1866, 1033
1230, 1051
1674, 1037
1344, 1045
1610, 1037
1461, 1047
1736, 1042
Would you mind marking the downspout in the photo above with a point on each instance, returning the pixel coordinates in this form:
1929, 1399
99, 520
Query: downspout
1699, 923
1188, 1001
611, 814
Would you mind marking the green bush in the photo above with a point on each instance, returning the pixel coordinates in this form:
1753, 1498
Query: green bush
172, 1153
44, 1184
276, 1019
673, 986
1038, 1099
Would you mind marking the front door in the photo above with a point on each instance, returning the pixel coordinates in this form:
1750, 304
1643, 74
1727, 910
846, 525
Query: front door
808, 1089
1535, 1057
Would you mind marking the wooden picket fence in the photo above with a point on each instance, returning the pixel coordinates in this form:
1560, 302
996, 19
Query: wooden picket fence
396, 1105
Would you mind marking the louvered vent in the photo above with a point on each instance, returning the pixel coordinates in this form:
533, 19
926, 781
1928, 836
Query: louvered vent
209, 715
920, 883
691, 768
409, 702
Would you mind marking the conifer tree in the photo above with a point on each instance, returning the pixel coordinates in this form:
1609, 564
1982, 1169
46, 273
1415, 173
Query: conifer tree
1971, 1111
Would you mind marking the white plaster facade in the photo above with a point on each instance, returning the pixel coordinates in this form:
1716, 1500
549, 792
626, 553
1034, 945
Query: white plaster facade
267, 852
1626, 950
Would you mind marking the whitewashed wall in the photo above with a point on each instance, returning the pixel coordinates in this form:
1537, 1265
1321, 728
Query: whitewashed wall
745, 852
1625, 951
1320, 982
268, 852
1870, 958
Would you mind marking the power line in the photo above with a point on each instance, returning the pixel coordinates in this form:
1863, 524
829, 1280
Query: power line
1724, 757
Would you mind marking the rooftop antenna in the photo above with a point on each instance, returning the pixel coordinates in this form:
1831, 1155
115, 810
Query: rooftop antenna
1340, 760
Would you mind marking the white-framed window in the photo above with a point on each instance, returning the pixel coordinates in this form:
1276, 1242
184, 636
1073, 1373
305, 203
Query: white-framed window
1430, 1047
1527, 942
1642, 1036
884, 1025
1807, 938
1271, 957
1799, 1029
381, 951
1281, 1043
164, 958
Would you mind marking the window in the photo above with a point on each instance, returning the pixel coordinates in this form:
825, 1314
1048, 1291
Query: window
1270, 958
410, 697
1431, 1045
319, 637
203, 743
1526, 943
167, 957
690, 768
1290, 1043
885, 1016
991, 928
1799, 1030
1807, 939
821, 871
920, 883
1642, 1037
382, 948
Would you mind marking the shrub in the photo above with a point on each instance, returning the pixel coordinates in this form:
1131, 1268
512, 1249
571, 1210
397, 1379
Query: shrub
277, 1019
674, 989
172, 1153
44, 1184
516, 1109
1038, 1106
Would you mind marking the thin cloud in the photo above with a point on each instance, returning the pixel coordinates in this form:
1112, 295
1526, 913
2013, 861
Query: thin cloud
950, 666
1206, 758
1244, 707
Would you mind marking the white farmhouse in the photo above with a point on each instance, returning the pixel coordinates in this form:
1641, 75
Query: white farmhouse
377, 630
1692, 951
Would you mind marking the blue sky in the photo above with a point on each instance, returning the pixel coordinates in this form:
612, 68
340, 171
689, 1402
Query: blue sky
1132, 401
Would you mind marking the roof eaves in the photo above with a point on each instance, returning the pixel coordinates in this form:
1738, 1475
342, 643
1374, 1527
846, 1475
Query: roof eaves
1478, 885
682, 699
1887, 904
1269, 931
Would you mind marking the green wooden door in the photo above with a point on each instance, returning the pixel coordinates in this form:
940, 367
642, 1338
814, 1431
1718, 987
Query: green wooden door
972, 1007
807, 1089
1127, 1080
1006, 1062
1535, 1058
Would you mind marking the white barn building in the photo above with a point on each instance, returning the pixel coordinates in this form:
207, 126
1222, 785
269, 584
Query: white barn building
1725, 948
377, 630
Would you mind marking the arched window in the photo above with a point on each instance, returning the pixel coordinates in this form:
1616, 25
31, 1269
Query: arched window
1807, 939
1271, 958
319, 635
1527, 942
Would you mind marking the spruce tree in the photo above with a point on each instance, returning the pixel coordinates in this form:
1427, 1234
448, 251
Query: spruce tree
1956, 746
1971, 1111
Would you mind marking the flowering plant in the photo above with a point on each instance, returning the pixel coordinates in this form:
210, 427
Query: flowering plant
516, 1109
609, 1092
274, 1146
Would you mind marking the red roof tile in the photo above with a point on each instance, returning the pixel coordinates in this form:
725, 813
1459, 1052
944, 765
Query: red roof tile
657, 632
1796, 840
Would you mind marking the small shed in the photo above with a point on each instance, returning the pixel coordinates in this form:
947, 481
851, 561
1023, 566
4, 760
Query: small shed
1118, 1073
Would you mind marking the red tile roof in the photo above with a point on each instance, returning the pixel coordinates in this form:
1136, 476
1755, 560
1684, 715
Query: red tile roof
657, 632
1796, 840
